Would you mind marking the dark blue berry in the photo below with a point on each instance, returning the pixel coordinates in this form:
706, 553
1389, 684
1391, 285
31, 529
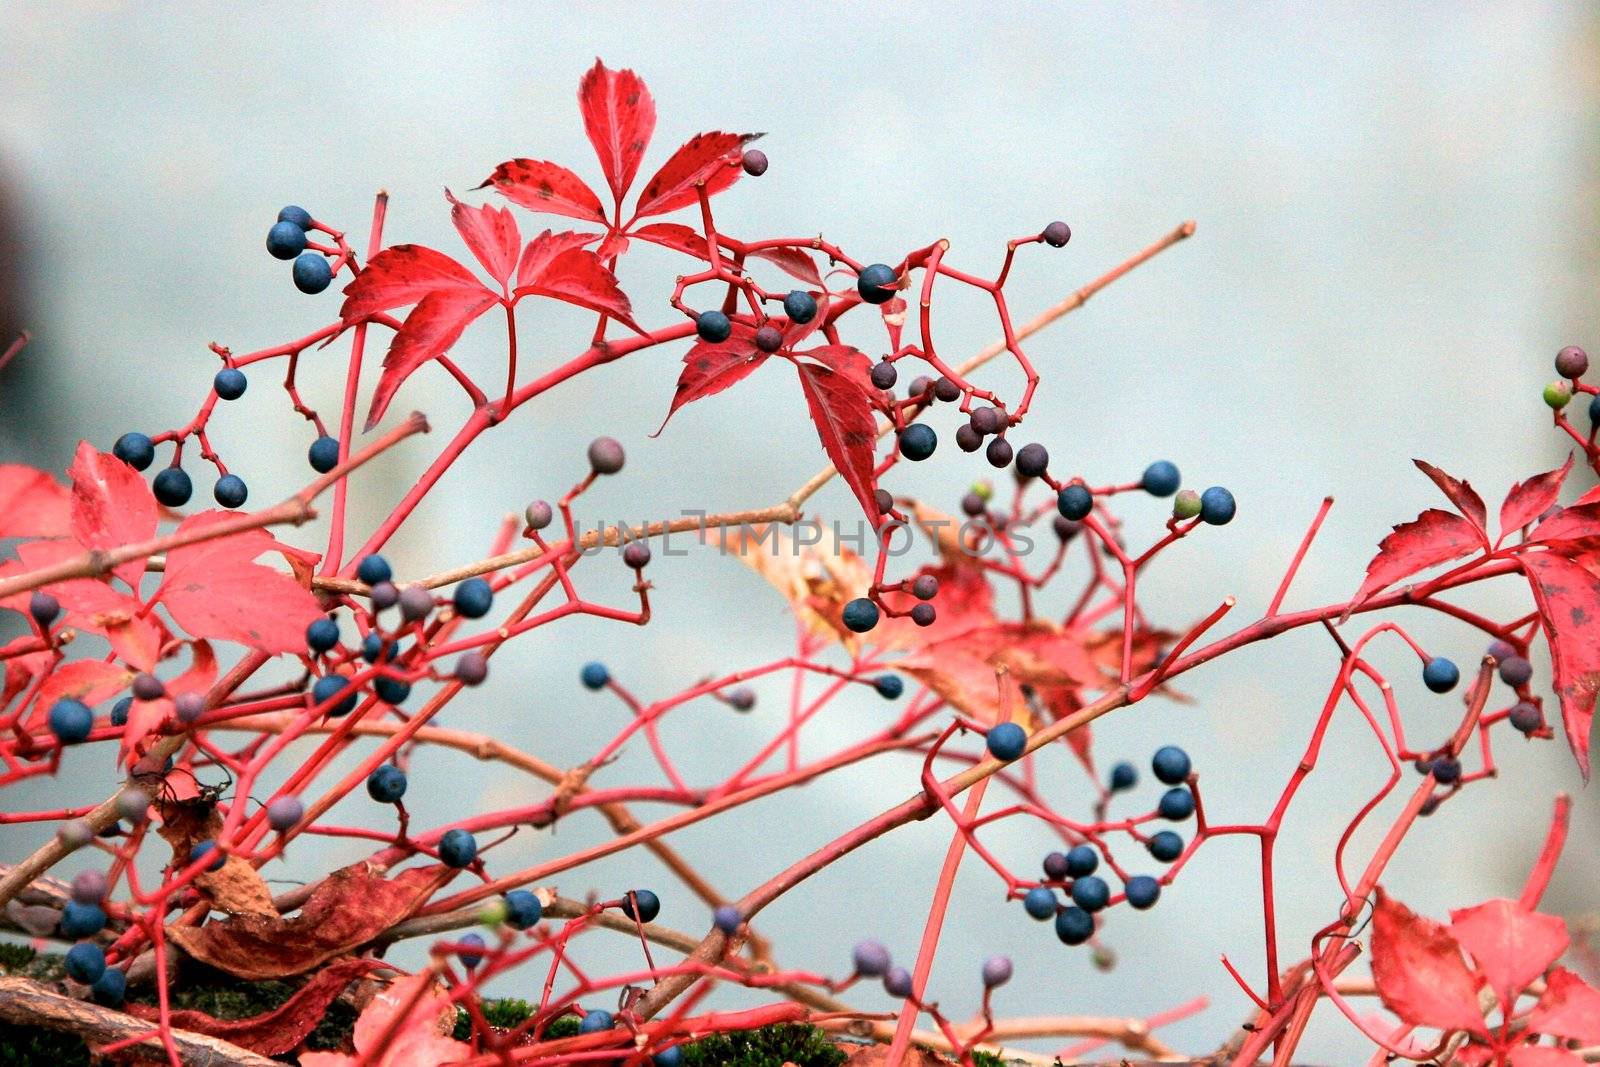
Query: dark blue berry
297, 215
742, 698
1170, 764
85, 962
81, 920
594, 1022
1082, 860
1165, 846
1594, 409
727, 919
1007, 741
1216, 506
647, 904
173, 487
71, 721
1040, 903
594, 675
473, 946
147, 686
1075, 502
119, 711
1525, 717
230, 383
386, 784
889, 686
673, 1057
110, 988
230, 491
1057, 234
1074, 926
43, 607
322, 634
884, 375
918, 441
1515, 671
473, 598
1142, 891
1176, 804
1160, 479
1440, 675
135, 449
712, 326
800, 306
1446, 770
285, 240
327, 688
373, 569
372, 647
311, 273
391, 690
1032, 460
1091, 892
523, 909
1124, 776
457, 848
870, 957
876, 283
860, 615
202, 849
323, 454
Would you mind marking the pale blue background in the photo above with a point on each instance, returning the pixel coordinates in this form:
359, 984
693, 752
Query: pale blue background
1396, 233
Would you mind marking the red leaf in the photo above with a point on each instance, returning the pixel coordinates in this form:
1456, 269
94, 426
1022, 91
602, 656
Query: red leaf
1569, 1008
1544, 1056
1510, 944
428, 332
146, 715
1568, 597
578, 277
676, 236
88, 680
491, 232
111, 506
1528, 500
1419, 971
402, 275
32, 504
708, 368
839, 395
1461, 494
709, 158
547, 187
793, 261
619, 116
383, 1038
213, 589
1581, 522
544, 248
1431, 538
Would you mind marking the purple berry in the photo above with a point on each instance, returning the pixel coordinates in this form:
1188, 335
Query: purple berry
884, 375
539, 514
996, 971
1571, 362
769, 339
416, 603
606, 455
471, 668
43, 607
754, 162
636, 554
999, 452
283, 812
1057, 234
871, 958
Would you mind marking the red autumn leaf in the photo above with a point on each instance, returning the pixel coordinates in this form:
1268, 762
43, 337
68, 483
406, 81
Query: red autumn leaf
619, 116
1510, 944
1570, 1008
402, 275
146, 715
428, 332
1528, 500
709, 368
32, 503
1419, 971
491, 232
676, 236
346, 910
711, 159
111, 506
384, 1038
1461, 494
135, 639
614, 246
839, 396
547, 187
792, 261
544, 248
1431, 538
88, 680
578, 277
1543, 1056
36, 555
1568, 598
1580, 522
214, 589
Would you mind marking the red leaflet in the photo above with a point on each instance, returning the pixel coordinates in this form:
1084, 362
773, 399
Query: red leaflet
711, 159
619, 116
1510, 945
839, 395
88, 680
404, 275
676, 236
578, 277
1568, 597
32, 504
547, 187
385, 1038
428, 332
213, 589
1541, 1056
491, 233
708, 369
1528, 500
1461, 494
111, 506
1581, 522
1431, 538
791, 260
1569, 1008
544, 248
1419, 971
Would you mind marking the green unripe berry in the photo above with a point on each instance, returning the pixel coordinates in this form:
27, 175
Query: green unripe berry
492, 914
1558, 395
983, 490
1186, 505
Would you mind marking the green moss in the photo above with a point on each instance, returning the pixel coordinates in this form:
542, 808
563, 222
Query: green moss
15, 957
770, 1046
986, 1059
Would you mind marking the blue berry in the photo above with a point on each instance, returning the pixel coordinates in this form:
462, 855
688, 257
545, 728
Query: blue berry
897, 982
457, 848
860, 615
110, 988
119, 711
81, 920
322, 634
918, 441
86, 962
374, 569
372, 647
1124, 776
323, 454
286, 240
1217, 506
648, 905
473, 598
727, 919
876, 283
1142, 891
71, 721
135, 449
473, 946
1176, 804
889, 686
800, 306
712, 326
1165, 845
1160, 479
1007, 741
870, 957
327, 688
996, 971
283, 812
1082, 860
202, 849
230, 491
594, 1022
1446, 770
173, 487
1075, 502
1040, 903
1170, 764
594, 675
1091, 892
673, 1057
311, 273
386, 784
1440, 675
297, 215
230, 383
1074, 926
1594, 408
523, 909
391, 690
